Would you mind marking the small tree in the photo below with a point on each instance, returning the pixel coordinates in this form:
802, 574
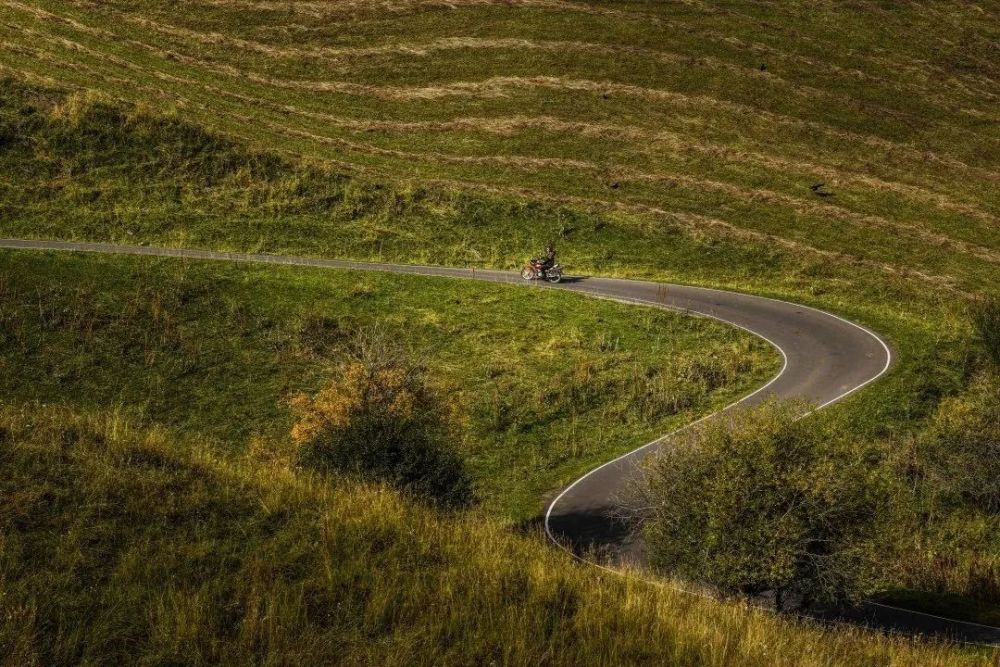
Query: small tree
766, 503
379, 421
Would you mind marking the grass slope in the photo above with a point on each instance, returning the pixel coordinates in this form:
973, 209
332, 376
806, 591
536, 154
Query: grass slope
125, 546
83, 168
656, 114
650, 139
216, 351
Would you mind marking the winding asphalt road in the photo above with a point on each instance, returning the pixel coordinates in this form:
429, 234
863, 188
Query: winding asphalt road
825, 359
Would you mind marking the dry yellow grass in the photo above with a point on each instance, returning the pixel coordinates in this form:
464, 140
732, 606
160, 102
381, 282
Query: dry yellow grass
317, 572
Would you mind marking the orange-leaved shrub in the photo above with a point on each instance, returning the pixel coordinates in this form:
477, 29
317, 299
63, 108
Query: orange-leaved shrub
379, 421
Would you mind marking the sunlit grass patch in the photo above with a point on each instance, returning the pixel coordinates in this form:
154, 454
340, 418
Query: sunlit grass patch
220, 351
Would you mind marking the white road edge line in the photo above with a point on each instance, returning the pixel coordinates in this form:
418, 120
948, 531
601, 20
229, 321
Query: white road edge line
940, 618
673, 585
660, 439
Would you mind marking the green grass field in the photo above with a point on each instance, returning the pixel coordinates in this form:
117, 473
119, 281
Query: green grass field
666, 140
653, 114
217, 352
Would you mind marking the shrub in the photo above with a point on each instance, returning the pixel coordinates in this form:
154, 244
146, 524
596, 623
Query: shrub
378, 421
958, 454
768, 504
986, 320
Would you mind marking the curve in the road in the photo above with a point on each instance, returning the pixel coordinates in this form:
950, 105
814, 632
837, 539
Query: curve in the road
826, 358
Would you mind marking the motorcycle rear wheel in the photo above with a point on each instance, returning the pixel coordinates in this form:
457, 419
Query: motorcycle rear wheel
553, 277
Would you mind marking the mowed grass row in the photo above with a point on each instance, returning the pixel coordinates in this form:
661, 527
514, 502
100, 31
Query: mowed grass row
124, 545
542, 385
139, 41
667, 32
672, 179
382, 62
439, 63
862, 220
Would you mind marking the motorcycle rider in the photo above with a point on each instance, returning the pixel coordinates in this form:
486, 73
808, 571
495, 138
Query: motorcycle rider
549, 260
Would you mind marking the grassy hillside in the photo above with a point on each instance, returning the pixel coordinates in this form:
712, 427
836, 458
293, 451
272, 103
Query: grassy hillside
843, 155
654, 114
82, 167
218, 351
124, 546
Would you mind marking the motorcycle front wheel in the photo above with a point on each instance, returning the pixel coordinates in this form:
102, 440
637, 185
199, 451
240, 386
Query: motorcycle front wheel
528, 273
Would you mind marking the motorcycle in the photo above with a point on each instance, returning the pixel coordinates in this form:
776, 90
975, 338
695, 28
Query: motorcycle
534, 270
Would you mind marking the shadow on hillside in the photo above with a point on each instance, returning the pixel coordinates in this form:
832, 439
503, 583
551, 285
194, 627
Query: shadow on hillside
894, 620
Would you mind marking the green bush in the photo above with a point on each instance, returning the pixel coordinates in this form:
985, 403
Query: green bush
766, 504
378, 421
986, 320
958, 454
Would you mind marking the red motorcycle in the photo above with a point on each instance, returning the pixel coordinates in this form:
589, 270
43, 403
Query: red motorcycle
535, 270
